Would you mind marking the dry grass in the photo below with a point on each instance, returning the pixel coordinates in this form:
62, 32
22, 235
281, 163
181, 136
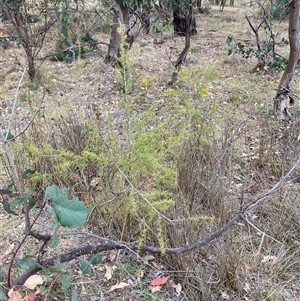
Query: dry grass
215, 163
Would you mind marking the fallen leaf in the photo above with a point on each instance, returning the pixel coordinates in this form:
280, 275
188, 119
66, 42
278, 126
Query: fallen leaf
118, 286
112, 256
156, 289
268, 258
30, 297
247, 287
178, 289
38, 290
10, 249
250, 268
148, 257
225, 295
33, 281
95, 181
14, 295
109, 271
159, 281
157, 265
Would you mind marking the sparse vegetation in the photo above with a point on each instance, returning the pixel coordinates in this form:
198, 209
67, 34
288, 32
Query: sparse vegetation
149, 169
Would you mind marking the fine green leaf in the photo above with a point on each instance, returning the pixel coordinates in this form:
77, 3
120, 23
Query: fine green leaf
84, 266
95, 259
7, 207
54, 240
2, 295
74, 295
69, 213
5, 191
27, 173
64, 31
8, 136
66, 280
19, 200
26, 263
58, 268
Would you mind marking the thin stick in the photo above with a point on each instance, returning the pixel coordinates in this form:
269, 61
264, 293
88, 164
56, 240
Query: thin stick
15, 103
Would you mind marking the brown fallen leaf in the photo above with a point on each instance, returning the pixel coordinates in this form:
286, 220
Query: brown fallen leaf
118, 286
33, 281
14, 295
178, 289
157, 265
109, 271
112, 256
156, 289
250, 268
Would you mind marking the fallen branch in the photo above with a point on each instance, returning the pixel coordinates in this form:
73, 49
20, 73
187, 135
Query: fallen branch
112, 245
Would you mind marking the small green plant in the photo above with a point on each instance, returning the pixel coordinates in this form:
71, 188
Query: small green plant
266, 57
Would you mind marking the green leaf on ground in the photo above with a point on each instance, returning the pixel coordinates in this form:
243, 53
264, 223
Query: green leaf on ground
84, 266
2, 295
27, 173
74, 295
95, 259
66, 281
26, 263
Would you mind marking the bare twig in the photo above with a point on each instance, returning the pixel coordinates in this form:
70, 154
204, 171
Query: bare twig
15, 103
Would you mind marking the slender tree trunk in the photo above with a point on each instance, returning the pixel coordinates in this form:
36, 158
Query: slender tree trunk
186, 49
283, 101
121, 16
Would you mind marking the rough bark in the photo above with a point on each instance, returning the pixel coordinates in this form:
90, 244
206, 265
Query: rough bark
283, 101
121, 16
180, 22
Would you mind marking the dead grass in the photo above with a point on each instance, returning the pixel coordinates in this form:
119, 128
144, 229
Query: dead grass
244, 264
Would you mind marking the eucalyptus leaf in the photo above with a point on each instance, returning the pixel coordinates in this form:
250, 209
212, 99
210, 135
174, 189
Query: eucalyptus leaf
84, 266
74, 295
69, 213
19, 200
66, 281
2, 295
27, 173
7, 207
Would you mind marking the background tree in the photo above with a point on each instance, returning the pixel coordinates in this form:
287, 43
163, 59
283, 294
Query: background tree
283, 100
31, 37
121, 15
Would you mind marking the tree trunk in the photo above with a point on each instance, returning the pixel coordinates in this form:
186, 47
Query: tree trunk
283, 100
186, 49
121, 15
13, 12
180, 22
199, 6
